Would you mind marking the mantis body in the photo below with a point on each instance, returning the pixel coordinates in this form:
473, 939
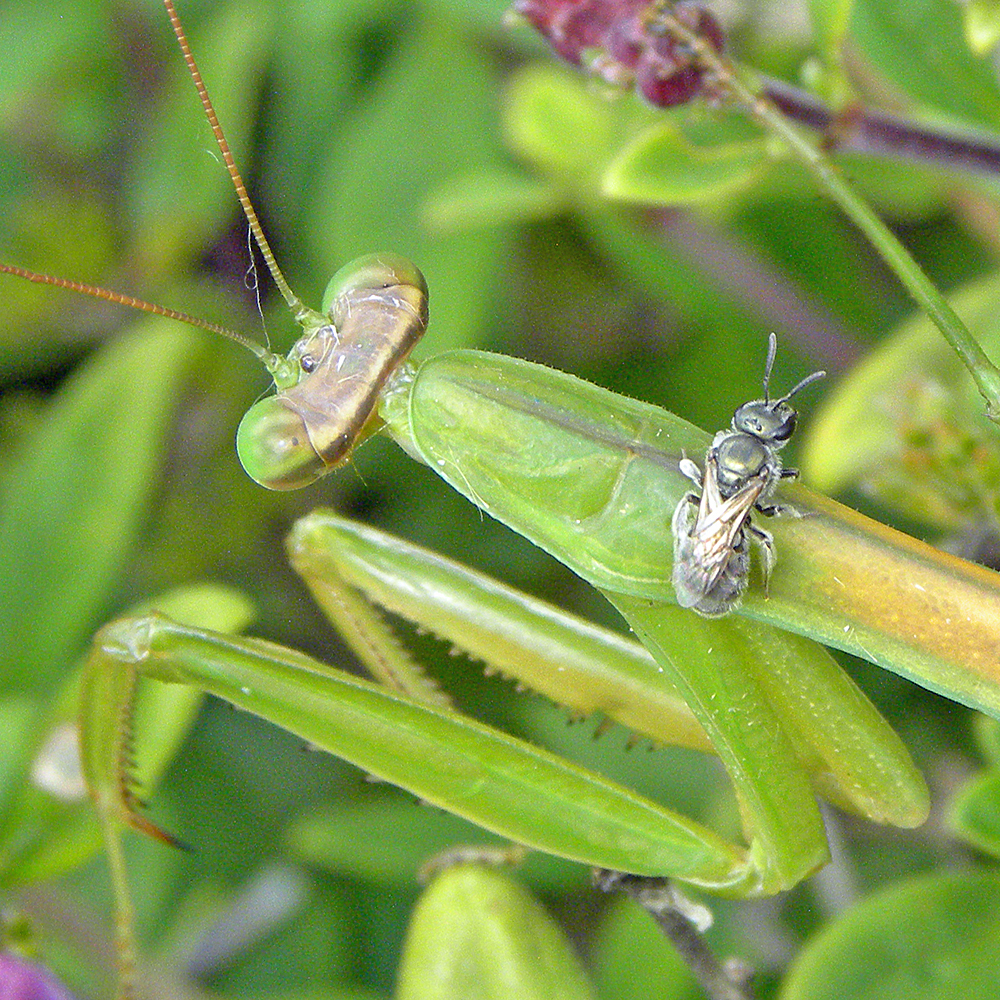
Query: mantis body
593, 478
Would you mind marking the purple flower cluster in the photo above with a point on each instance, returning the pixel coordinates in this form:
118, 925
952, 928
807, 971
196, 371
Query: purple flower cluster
21, 980
623, 40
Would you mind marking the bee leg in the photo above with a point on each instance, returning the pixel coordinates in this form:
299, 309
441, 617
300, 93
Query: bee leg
770, 557
773, 509
689, 469
789, 473
778, 510
783, 510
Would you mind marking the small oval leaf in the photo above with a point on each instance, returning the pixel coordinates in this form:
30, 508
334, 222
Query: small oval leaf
975, 813
929, 938
661, 167
907, 427
982, 25
919, 47
75, 498
830, 19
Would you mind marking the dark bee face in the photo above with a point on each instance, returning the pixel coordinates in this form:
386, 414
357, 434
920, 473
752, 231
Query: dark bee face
770, 422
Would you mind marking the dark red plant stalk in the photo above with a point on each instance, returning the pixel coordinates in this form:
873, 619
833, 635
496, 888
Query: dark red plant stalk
623, 41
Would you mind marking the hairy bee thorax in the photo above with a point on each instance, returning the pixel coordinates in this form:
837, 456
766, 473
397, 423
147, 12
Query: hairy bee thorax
739, 457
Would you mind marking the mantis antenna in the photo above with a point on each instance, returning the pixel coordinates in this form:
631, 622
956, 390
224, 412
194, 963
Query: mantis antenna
329, 386
302, 313
271, 361
374, 311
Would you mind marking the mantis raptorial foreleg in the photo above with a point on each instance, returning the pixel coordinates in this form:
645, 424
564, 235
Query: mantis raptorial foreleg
502, 783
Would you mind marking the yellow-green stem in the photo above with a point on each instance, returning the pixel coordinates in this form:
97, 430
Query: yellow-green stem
124, 911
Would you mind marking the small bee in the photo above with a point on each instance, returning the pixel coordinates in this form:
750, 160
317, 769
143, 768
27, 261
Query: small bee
712, 531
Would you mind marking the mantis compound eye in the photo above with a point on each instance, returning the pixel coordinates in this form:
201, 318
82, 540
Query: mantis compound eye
275, 448
386, 277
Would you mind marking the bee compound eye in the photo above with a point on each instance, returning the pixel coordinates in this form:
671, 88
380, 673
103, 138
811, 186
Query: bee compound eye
783, 431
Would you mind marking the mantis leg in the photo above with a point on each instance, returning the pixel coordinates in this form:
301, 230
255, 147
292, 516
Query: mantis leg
506, 785
758, 712
761, 705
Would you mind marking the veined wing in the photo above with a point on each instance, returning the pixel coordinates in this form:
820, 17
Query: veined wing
717, 527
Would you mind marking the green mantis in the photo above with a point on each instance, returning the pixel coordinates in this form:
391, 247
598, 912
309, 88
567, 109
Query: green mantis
593, 478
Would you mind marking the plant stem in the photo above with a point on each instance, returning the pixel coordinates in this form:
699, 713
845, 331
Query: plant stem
876, 133
984, 373
124, 913
719, 980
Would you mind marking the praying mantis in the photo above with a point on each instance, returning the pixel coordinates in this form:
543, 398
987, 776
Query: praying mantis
593, 478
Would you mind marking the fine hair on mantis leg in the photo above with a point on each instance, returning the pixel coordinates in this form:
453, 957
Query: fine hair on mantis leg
596, 487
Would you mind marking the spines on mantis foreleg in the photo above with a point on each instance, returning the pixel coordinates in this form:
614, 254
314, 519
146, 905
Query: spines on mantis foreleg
573, 662
107, 704
370, 636
509, 786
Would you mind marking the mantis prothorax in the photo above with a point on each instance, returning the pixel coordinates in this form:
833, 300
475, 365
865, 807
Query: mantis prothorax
593, 478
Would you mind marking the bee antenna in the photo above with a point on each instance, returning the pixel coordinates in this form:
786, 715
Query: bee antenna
815, 377
772, 347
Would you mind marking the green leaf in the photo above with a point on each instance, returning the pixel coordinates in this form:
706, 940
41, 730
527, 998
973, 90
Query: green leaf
987, 734
907, 427
477, 935
975, 813
374, 181
830, 19
308, 101
558, 125
49, 826
364, 842
60, 233
489, 198
164, 714
930, 938
631, 958
76, 497
661, 167
181, 192
59, 50
920, 46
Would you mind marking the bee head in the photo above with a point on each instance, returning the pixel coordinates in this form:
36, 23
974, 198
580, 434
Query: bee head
770, 420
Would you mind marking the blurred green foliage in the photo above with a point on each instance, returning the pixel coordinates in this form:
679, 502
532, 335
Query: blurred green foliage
365, 126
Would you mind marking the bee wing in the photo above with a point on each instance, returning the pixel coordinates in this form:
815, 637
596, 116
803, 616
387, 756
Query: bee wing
715, 531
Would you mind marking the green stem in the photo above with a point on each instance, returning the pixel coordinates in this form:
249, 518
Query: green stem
984, 373
124, 913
